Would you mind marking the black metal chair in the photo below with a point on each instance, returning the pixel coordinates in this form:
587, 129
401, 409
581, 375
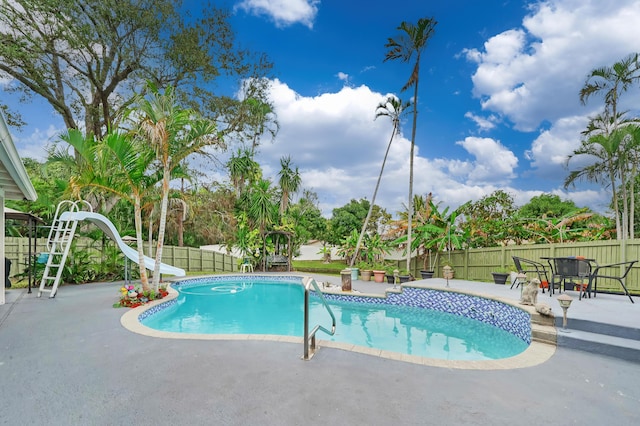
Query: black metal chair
608, 272
569, 269
524, 266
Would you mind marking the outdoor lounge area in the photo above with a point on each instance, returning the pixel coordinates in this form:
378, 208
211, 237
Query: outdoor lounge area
104, 374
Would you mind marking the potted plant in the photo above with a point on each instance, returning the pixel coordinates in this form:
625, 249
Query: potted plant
405, 276
378, 273
391, 279
500, 275
365, 271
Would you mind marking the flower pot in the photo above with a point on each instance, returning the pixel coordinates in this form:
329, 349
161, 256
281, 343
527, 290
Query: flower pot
366, 274
426, 274
378, 276
500, 277
391, 279
354, 274
404, 278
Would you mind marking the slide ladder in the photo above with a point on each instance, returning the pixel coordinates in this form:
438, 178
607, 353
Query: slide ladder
59, 243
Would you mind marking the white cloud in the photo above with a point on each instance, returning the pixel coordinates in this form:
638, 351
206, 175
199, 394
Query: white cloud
283, 12
338, 147
551, 148
343, 77
534, 73
35, 144
494, 162
484, 124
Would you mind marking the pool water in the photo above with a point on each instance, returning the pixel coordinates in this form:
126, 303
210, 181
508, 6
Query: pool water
255, 307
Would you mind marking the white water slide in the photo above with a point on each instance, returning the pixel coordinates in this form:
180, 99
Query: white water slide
108, 228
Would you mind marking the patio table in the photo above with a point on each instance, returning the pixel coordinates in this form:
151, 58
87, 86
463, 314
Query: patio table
569, 268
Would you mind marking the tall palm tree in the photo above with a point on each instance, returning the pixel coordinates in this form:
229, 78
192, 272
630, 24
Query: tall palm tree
611, 142
411, 42
175, 133
289, 181
117, 165
395, 109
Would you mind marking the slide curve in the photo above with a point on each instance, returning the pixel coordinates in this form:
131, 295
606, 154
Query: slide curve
108, 228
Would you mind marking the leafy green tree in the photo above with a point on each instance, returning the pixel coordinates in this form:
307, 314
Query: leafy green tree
88, 58
546, 205
409, 44
307, 219
346, 219
490, 221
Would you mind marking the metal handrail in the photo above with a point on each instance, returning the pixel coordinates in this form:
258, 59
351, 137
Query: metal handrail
309, 349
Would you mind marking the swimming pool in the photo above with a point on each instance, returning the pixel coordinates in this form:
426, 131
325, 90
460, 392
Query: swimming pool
417, 321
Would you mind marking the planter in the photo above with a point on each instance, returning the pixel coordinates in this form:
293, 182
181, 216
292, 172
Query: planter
426, 274
405, 278
366, 274
378, 276
354, 274
391, 279
500, 277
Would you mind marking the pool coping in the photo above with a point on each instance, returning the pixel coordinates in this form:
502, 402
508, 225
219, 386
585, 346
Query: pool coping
536, 354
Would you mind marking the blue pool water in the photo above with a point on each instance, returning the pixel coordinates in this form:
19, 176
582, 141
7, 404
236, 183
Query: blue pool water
276, 308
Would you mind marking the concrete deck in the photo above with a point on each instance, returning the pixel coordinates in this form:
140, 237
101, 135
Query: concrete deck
68, 361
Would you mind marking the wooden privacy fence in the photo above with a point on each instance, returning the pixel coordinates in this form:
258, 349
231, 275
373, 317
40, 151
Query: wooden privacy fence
188, 258
471, 264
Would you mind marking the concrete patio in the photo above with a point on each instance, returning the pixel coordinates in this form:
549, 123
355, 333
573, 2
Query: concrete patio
68, 361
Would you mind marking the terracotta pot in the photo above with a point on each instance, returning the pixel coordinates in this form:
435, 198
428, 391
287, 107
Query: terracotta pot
378, 276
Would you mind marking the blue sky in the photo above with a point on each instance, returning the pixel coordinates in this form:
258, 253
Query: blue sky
498, 101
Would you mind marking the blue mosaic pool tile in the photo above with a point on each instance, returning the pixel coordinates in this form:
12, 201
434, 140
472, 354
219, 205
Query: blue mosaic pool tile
506, 317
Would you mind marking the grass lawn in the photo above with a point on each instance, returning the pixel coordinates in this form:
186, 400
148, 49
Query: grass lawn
319, 266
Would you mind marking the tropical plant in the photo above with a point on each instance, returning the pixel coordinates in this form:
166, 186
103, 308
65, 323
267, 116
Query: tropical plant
174, 133
613, 148
243, 170
289, 181
411, 42
117, 165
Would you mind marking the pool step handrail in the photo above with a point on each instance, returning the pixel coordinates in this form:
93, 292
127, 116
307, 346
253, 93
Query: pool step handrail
310, 336
59, 241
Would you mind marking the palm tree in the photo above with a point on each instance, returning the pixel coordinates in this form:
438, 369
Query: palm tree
243, 169
117, 165
289, 182
612, 81
393, 108
261, 207
612, 142
411, 42
175, 133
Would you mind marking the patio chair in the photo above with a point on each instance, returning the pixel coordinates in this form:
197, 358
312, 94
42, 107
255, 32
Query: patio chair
609, 272
566, 270
524, 266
